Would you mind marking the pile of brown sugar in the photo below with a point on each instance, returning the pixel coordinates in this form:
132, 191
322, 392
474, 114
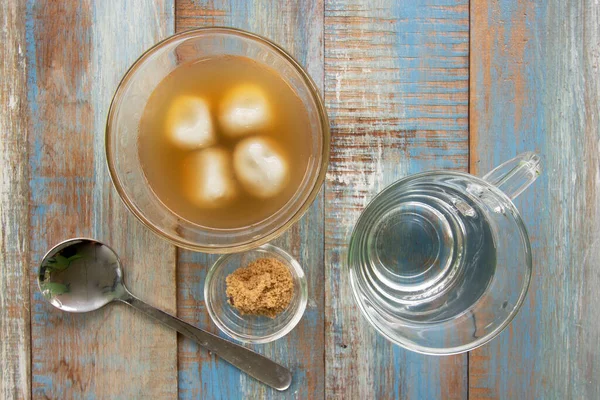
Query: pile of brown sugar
263, 287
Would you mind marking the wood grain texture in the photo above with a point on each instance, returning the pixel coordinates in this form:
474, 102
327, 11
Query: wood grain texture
535, 70
15, 366
396, 88
395, 77
76, 55
298, 27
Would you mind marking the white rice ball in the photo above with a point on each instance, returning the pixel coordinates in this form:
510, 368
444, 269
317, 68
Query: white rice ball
209, 177
189, 124
261, 166
244, 110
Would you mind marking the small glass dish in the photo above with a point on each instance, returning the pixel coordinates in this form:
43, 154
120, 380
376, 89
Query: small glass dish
252, 328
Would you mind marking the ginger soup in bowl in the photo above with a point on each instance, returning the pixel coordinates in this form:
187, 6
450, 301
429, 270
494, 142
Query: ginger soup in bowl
217, 140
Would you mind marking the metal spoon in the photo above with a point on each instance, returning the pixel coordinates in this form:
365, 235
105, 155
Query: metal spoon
81, 275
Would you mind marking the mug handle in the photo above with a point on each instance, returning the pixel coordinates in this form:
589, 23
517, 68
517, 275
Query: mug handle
515, 175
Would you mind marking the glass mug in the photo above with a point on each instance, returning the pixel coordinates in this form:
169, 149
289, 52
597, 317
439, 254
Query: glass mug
440, 262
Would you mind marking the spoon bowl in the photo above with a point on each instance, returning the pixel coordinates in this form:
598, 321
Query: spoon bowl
81, 275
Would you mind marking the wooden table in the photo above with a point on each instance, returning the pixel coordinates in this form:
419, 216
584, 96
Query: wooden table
409, 86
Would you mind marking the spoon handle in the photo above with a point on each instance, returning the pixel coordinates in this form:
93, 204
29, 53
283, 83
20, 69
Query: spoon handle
257, 366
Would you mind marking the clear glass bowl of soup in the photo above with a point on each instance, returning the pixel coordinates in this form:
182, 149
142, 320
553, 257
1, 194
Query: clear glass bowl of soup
146, 170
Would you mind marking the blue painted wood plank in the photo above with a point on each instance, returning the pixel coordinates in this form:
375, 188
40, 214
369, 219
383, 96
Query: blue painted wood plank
15, 365
396, 87
536, 86
298, 27
76, 53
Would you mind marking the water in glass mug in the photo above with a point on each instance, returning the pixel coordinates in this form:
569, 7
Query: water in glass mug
440, 261
433, 250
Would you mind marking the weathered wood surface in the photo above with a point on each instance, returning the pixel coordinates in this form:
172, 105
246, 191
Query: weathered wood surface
15, 367
298, 27
535, 85
76, 54
396, 88
395, 79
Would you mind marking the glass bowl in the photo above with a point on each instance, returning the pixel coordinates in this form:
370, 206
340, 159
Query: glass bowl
252, 328
127, 108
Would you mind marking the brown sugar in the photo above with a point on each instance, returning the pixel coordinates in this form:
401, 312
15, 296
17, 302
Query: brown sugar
263, 287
